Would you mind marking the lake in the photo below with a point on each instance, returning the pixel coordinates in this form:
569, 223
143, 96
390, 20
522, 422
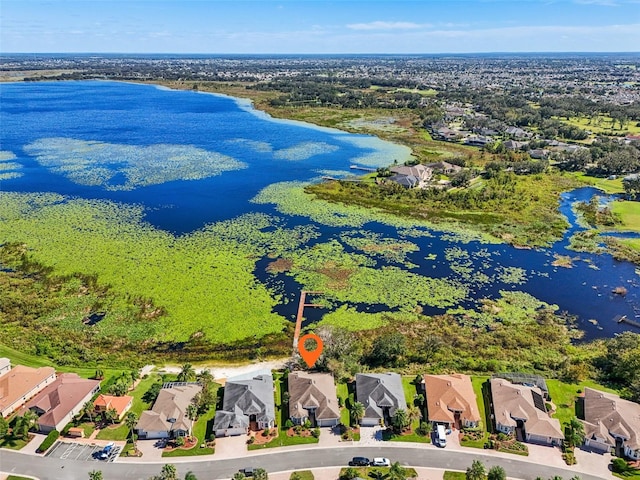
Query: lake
191, 160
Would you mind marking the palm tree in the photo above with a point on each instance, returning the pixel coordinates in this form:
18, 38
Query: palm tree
111, 415
95, 475
574, 432
204, 378
476, 471
357, 412
192, 414
87, 409
413, 414
496, 473
397, 472
131, 420
187, 373
400, 420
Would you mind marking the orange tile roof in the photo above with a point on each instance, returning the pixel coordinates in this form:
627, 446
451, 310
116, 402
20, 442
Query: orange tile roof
20, 381
449, 393
106, 402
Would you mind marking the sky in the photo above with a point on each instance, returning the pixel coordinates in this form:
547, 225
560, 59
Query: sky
318, 27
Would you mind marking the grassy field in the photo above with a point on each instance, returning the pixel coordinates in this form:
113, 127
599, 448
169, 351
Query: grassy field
602, 124
607, 186
629, 214
449, 475
371, 472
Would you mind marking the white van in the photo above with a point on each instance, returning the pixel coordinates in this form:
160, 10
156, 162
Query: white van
441, 436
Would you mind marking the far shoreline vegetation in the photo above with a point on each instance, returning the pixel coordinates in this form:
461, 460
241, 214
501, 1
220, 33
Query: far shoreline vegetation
541, 341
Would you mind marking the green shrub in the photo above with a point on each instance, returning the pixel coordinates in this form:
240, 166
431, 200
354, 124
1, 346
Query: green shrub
619, 465
316, 432
50, 440
288, 423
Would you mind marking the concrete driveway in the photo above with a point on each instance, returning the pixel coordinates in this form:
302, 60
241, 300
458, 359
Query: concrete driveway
230, 447
370, 435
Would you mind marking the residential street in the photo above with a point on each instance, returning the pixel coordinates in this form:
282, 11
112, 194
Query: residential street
282, 460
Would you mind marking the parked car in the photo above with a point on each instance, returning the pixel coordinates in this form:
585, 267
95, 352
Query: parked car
359, 462
104, 454
247, 472
381, 462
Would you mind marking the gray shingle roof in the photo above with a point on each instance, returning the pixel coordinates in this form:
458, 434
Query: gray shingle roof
243, 398
313, 390
378, 390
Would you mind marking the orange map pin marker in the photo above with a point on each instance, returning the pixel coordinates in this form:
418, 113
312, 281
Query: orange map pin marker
310, 357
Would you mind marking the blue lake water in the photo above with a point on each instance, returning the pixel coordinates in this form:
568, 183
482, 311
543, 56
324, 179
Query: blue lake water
105, 140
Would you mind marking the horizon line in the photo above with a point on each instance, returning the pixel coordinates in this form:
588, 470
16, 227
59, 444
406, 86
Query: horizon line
583, 52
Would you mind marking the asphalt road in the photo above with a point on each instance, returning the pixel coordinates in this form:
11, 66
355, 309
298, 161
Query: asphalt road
56, 469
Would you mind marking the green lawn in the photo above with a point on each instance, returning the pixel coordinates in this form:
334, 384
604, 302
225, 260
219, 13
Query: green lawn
564, 396
342, 391
629, 214
629, 475
601, 124
303, 474
17, 477
138, 406
449, 475
483, 404
409, 388
12, 443
370, 472
607, 186
413, 437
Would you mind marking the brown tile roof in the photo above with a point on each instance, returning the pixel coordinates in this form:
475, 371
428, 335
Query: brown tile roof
606, 414
171, 404
61, 397
312, 390
106, 402
19, 381
511, 401
448, 394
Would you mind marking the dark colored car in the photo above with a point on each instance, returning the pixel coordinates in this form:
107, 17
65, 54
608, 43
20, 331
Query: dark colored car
247, 472
359, 462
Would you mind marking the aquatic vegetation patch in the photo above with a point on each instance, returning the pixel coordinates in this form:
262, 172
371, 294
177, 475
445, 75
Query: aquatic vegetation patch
512, 275
255, 145
127, 167
351, 319
204, 282
6, 155
304, 151
373, 244
353, 278
9, 169
510, 308
563, 261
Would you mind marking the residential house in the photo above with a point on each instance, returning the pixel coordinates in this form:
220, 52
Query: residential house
517, 132
478, 140
445, 167
610, 421
407, 181
451, 400
445, 133
168, 416
419, 172
5, 365
381, 394
312, 396
247, 405
19, 384
62, 400
520, 410
539, 153
514, 145
107, 402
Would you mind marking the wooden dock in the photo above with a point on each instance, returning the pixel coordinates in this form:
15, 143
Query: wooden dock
364, 169
301, 306
628, 321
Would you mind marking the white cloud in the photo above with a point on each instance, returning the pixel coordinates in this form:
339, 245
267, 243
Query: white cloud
386, 26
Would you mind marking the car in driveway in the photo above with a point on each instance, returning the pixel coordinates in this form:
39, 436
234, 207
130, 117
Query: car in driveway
380, 462
359, 462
